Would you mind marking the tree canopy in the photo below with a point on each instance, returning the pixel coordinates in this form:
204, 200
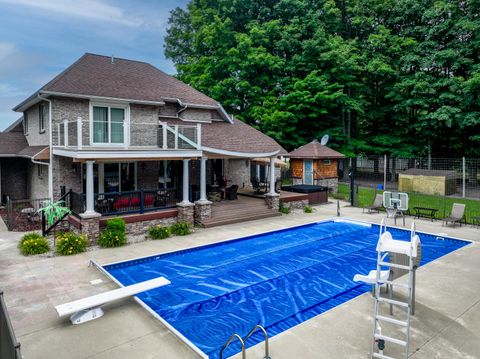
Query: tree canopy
397, 77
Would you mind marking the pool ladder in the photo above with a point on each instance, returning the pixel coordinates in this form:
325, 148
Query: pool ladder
244, 340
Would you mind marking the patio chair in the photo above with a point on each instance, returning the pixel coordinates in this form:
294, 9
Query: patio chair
231, 192
457, 215
256, 185
376, 206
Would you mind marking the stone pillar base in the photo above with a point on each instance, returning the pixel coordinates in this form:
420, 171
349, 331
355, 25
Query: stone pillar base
186, 212
203, 211
90, 226
273, 201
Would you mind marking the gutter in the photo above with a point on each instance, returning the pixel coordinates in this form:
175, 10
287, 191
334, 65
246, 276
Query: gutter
50, 130
218, 107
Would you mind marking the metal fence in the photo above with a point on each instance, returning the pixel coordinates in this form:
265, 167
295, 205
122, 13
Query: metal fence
9, 347
22, 215
434, 183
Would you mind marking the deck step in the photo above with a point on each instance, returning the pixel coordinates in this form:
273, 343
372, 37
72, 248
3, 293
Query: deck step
214, 222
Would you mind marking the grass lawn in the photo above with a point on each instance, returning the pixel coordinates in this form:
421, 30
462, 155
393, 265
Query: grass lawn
443, 204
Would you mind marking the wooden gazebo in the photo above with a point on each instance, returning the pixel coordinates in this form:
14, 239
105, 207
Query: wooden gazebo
315, 164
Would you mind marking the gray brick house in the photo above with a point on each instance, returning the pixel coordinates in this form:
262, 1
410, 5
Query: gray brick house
125, 137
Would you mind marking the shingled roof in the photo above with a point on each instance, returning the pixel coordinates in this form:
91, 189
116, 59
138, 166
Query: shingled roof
104, 76
235, 137
315, 150
11, 143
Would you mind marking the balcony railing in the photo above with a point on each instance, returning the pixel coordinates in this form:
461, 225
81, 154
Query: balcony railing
142, 201
81, 134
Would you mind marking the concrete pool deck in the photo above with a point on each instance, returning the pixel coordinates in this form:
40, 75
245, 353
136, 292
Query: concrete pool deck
446, 323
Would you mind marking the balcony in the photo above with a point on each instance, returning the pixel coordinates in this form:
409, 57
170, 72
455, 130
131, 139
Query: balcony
88, 135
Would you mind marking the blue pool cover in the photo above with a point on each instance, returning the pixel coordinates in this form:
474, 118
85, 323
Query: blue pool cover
277, 279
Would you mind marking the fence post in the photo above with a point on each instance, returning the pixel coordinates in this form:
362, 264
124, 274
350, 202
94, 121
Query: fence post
142, 201
9, 213
44, 225
65, 133
384, 172
164, 136
463, 177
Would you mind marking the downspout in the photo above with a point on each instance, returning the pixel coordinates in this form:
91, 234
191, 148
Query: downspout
50, 130
182, 109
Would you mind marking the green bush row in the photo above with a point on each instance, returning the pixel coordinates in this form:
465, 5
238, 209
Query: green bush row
162, 232
67, 243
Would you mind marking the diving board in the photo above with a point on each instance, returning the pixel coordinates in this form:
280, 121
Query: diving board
86, 309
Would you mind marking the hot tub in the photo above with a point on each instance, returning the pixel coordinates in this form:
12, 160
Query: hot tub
316, 194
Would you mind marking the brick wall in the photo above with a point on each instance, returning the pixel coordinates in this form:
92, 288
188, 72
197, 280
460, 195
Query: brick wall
66, 173
69, 109
37, 181
34, 136
143, 125
14, 177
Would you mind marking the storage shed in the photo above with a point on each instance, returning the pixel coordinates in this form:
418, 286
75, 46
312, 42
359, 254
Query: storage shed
315, 164
434, 182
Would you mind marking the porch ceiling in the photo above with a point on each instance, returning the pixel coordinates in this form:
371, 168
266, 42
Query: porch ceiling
131, 154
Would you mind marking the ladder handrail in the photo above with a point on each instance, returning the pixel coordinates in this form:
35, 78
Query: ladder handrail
229, 341
258, 326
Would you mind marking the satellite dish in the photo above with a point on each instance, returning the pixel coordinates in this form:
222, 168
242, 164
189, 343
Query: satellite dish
324, 140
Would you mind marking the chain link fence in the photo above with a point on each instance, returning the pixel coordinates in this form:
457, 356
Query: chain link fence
434, 183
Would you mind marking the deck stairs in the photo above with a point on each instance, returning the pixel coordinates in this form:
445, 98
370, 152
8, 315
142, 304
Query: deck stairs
380, 341
241, 210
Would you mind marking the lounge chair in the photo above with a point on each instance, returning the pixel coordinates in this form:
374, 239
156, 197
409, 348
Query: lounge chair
376, 206
457, 215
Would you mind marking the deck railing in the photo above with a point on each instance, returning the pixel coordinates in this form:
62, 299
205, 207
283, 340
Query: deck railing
129, 202
80, 133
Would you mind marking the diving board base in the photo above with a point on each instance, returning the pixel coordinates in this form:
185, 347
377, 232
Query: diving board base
86, 315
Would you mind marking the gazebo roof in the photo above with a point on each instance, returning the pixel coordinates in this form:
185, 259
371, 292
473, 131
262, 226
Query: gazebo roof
315, 150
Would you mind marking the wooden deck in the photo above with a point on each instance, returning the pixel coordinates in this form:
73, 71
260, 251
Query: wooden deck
284, 195
245, 208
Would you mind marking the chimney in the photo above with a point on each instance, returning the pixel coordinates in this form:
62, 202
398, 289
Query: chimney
113, 59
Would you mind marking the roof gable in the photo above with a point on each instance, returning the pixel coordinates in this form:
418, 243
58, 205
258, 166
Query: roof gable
315, 150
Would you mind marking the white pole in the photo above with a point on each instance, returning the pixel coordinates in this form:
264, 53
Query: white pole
185, 182
65, 133
203, 179
464, 177
384, 172
90, 189
176, 137
79, 133
272, 175
164, 135
101, 178
199, 136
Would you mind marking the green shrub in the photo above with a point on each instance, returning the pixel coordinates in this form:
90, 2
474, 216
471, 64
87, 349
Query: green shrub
33, 243
308, 209
69, 243
114, 233
283, 209
340, 196
180, 229
158, 232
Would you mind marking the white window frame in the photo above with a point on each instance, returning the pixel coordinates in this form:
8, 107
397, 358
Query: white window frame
327, 162
126, 123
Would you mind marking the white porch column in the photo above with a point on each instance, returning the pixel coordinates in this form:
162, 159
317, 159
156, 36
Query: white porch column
272, 175
258, 172
185, 199
101, 178
203, 179
90, 210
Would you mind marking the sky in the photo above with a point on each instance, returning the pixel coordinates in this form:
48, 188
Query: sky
40, 38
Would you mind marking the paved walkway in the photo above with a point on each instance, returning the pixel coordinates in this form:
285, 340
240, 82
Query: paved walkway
446, 324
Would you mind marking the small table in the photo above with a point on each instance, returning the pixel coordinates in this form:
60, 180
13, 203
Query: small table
425, 212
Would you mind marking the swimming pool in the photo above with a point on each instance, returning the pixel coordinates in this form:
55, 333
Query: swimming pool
277, 279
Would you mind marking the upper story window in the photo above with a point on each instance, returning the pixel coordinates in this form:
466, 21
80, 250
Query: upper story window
25, 123
41, 118
108, 124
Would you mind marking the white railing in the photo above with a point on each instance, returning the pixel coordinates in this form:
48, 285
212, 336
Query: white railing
80, 133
